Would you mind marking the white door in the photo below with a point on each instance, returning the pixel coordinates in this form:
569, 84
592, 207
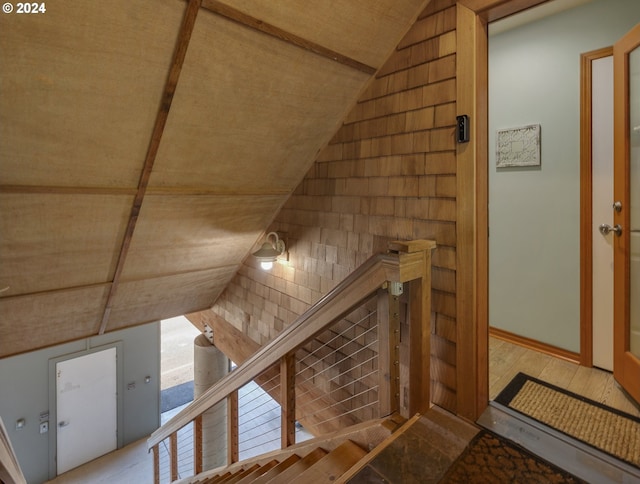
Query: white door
86, 399
602, 196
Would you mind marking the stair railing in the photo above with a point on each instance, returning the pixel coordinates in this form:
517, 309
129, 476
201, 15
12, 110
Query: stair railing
341, 362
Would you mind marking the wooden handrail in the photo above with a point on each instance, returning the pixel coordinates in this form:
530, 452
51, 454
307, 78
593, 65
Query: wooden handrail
402, 266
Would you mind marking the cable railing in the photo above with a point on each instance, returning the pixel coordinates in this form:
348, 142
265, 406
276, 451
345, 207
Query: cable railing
337, 373
335, 366
184, 459
258, 419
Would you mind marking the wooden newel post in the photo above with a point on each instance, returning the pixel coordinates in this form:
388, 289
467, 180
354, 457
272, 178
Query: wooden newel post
415, 257
388, 353
288, 400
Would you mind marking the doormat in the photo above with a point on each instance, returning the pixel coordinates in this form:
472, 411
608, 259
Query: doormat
604, 428
490, 458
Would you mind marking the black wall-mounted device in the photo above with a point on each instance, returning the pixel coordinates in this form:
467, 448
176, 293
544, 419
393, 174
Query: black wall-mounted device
462, 128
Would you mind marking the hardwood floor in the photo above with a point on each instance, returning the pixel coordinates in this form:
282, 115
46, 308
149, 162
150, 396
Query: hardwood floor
130, 465
507, 359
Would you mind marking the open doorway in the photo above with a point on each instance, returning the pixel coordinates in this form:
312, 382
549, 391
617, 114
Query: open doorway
535, 268
176, 364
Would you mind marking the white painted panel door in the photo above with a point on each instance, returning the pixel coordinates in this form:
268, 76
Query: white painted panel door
86, 408
602, 196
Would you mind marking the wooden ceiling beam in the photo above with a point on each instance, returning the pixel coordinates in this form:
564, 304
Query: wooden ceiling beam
237, 16
67, 190
184, 37
218, 191
184, 191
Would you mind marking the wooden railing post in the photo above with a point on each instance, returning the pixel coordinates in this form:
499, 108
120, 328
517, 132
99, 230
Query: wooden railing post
384, 375
394, 345
156, 464
419, 346
418, 397
388, 356
173, 455
288, 400
197, 445
420, 321
233, 438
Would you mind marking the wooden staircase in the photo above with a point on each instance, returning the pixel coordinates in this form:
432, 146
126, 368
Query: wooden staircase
420, 449
375, 368
315, 467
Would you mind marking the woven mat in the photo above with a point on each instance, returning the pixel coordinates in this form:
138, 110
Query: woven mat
595, 424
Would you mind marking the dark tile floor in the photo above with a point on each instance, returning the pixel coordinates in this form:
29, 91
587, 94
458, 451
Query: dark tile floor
442, 449
422, 454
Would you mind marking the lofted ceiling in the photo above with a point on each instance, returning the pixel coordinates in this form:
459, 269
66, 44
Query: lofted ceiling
146, 145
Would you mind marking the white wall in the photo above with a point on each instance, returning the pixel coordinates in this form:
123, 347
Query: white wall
26, 387
534, 213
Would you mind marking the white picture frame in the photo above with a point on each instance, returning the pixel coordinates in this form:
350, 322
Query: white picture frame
518, 147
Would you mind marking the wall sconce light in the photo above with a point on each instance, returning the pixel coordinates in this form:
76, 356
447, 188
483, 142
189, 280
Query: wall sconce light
269, 252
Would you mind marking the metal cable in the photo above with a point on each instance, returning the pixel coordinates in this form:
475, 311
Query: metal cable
324, 370
309, 402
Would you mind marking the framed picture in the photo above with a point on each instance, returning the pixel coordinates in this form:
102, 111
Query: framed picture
518, 146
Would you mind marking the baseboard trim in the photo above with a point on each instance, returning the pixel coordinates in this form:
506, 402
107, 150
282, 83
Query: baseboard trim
535, 345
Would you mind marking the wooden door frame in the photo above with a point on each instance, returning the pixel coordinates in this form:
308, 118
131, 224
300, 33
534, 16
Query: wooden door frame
472, 251
586, 209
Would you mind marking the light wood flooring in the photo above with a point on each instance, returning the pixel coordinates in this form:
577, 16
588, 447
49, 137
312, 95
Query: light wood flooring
130, 465
507, 359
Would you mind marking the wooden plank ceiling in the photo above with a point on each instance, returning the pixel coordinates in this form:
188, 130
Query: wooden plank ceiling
145, 146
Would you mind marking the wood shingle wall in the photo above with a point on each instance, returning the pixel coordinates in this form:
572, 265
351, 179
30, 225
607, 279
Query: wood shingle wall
389, 173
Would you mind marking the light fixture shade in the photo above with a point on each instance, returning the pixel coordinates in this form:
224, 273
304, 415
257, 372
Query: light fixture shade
269, 252
266, 252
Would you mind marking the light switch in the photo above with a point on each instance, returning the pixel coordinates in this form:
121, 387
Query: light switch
20, 423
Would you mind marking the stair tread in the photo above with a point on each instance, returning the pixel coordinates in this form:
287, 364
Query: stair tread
293, 471
274, 471
227, 477
216, 479
261, 469
236, 476
334, 464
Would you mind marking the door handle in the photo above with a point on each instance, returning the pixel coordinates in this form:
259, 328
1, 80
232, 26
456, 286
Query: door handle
606, 228
64, 423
